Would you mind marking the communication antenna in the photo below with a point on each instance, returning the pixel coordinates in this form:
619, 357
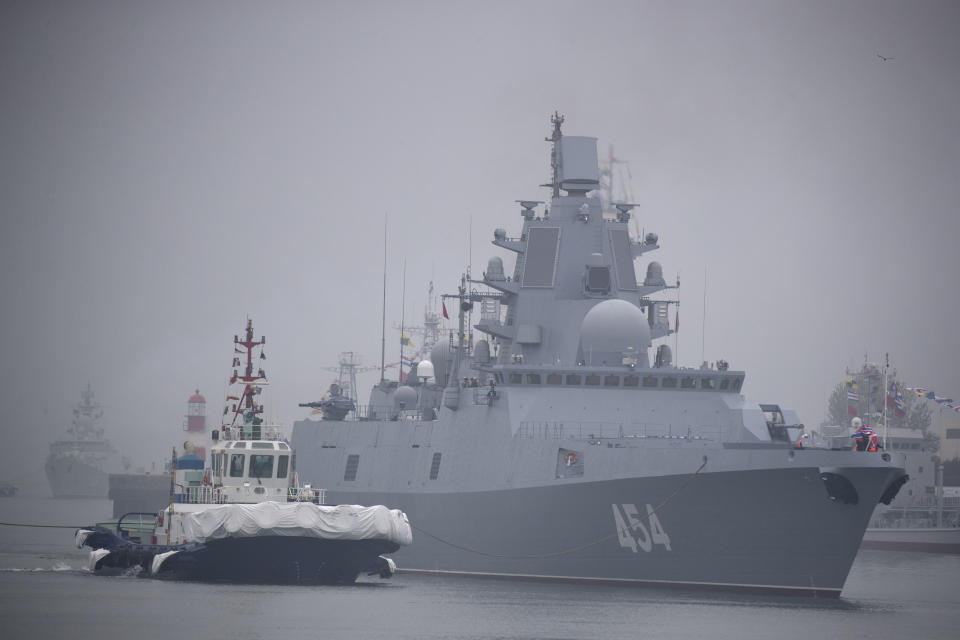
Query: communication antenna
403, 311
383, 323
703, 329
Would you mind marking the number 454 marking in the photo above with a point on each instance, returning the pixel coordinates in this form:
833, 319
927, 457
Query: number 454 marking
632, 532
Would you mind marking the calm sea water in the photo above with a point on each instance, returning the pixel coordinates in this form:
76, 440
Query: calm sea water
46, 592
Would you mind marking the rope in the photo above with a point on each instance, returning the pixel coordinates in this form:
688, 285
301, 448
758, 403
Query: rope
45, 526
565, 551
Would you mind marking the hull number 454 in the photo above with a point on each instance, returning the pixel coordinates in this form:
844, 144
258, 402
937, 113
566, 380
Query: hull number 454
633, 533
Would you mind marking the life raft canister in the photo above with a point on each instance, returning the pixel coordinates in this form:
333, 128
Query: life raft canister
570, 458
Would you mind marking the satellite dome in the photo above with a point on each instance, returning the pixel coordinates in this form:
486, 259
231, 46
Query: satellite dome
441, 356
654, 275
495, 269
611, 328
856, 423
481, 352
405, 397
424, 369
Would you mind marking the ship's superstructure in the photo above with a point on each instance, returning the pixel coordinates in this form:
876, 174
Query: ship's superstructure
79, 463
564, 446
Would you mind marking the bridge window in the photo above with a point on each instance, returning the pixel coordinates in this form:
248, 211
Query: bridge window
282, 463
651, 381
435, 466
593, 380
724, 384
706, 383
611, 381
554, 378
350, 473
669, 382
261, 466
515, 378
236, 465
573, 379
735, 385
533, 378
687, 383
631, 381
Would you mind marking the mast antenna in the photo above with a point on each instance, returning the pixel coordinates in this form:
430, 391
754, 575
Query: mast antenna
403, 312
703, 328
383, 324
555, 160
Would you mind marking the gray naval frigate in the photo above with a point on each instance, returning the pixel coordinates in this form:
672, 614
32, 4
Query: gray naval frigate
79, 464
554, 449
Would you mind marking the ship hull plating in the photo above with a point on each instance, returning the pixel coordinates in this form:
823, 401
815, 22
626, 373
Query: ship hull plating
72, 478
769, 529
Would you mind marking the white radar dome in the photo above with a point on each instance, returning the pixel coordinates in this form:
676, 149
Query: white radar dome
405, 397
424, 369
613, 327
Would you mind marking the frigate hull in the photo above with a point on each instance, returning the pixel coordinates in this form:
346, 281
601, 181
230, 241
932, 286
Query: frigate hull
755, 529
73, 478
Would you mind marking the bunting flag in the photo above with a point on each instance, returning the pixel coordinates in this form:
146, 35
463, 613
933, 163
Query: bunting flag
263, 356
233, 397
405, 341
407, 360
444, 305
930, 395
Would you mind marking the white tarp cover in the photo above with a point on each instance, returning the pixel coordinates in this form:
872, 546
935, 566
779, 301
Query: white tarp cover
302, 519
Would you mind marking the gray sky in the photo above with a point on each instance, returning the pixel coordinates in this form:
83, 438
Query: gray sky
168, 169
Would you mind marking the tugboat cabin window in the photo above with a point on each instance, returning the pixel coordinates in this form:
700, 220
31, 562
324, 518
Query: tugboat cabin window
350, 473
261, 466
236, 465
282, 464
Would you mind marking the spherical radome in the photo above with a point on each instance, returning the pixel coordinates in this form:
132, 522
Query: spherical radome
614, 326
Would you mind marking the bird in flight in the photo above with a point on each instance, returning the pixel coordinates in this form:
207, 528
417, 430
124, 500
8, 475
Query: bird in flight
885, 58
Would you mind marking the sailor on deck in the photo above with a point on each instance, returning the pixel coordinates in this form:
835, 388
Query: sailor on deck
862, 434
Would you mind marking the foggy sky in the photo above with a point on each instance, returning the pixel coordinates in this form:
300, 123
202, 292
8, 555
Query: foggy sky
169, 169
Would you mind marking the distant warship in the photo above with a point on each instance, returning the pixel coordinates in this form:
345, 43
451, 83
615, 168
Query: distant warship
78, 465
554, 449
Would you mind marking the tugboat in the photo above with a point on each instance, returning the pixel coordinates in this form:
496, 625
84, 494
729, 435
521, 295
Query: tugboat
245, 518
78, 465
566, 444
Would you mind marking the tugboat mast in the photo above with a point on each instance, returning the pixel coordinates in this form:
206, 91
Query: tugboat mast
250, 380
